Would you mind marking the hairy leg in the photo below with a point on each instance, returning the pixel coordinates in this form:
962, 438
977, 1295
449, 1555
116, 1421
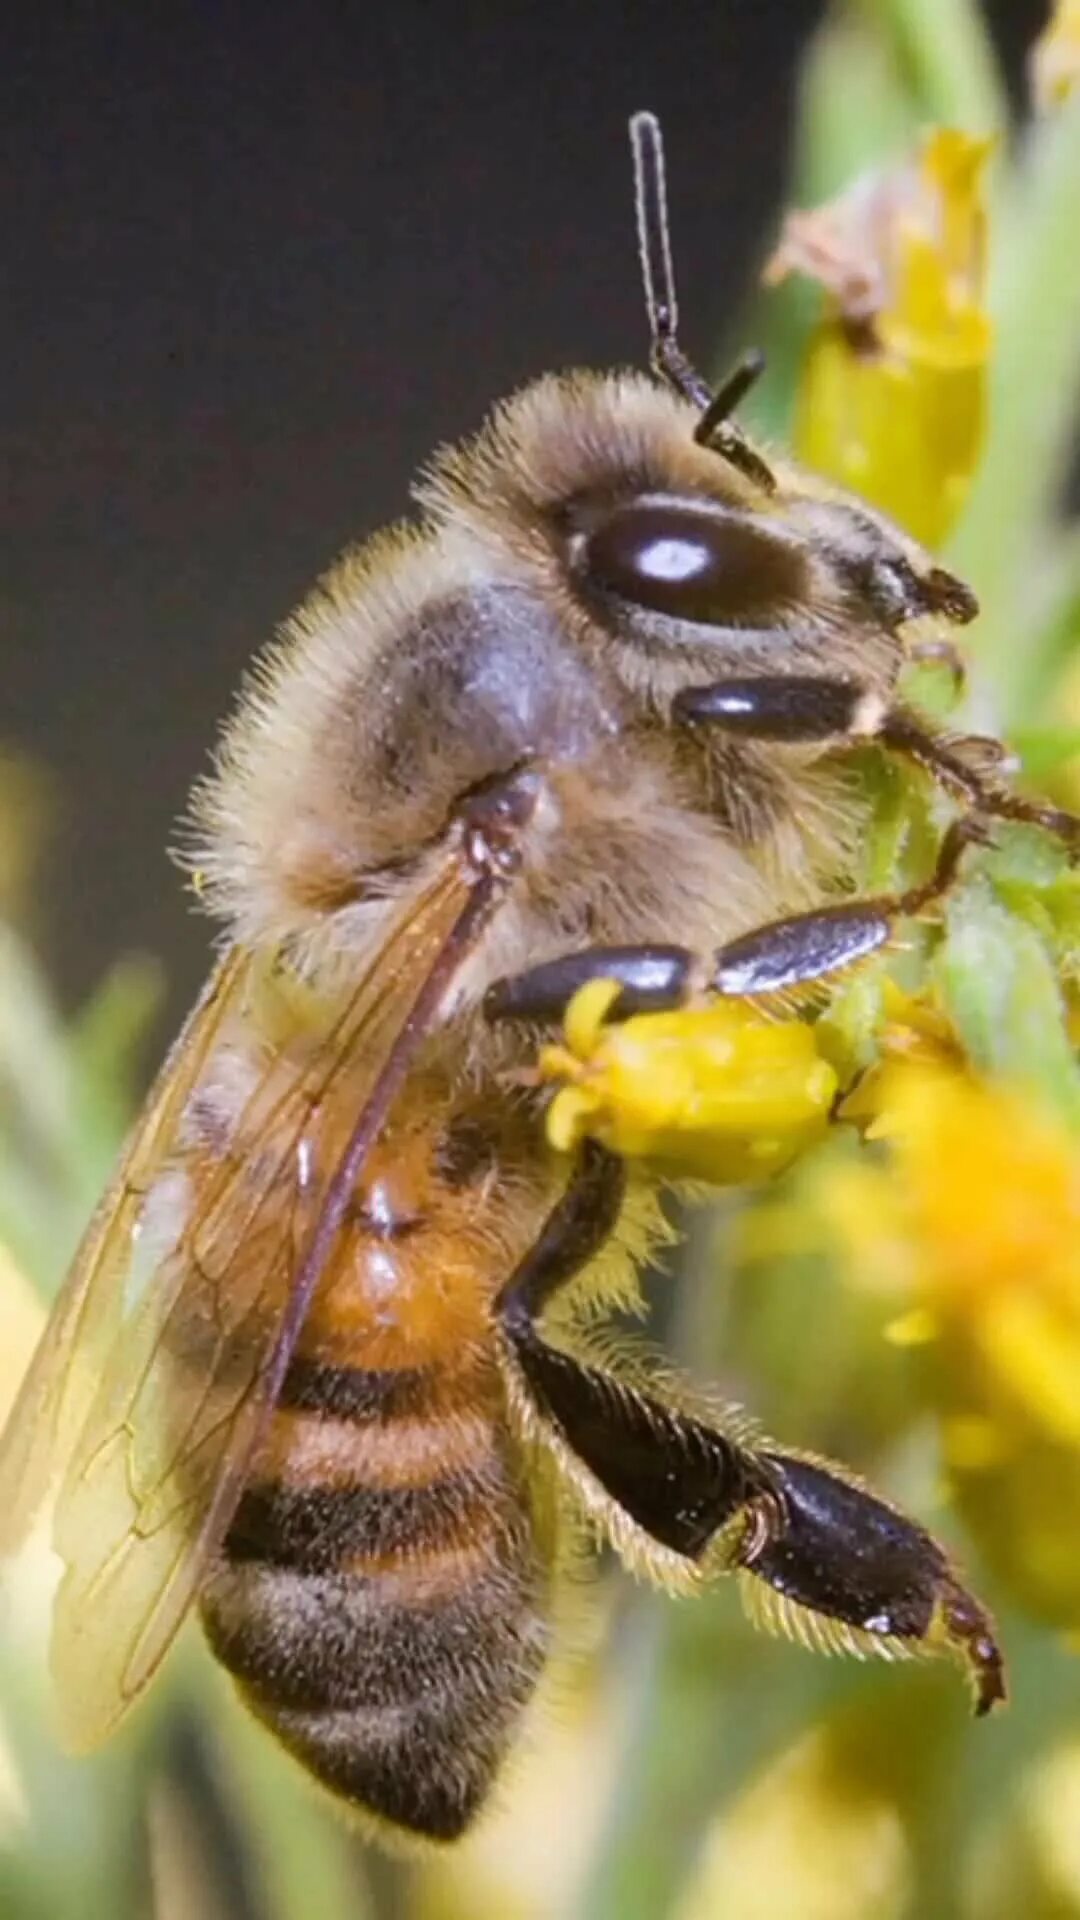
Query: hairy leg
809, 1537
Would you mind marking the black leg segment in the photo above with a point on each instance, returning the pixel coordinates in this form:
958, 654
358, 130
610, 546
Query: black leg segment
776, 958
678, 1480
807, 946
653, 979
791, 707
575, 1230
836, 1549
804, 708
812, 1537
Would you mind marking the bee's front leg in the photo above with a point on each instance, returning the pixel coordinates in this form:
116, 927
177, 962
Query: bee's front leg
775, 958
811, 1542
943, 653
796, 709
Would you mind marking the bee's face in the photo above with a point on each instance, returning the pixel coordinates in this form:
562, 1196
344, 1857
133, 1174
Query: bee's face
683, 561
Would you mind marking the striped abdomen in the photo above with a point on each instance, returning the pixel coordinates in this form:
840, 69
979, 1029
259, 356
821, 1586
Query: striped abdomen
379, 1595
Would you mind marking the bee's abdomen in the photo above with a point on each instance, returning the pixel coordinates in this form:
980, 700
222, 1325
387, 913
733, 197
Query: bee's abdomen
379, 1595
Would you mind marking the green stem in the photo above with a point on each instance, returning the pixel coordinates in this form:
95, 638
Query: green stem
706, 1700
1035, 397
945, 59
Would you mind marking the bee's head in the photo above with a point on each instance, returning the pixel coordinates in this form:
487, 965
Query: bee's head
645, 514
887, 575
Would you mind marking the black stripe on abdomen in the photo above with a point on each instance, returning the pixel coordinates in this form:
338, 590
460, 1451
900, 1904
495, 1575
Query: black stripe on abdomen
310, 1643
389, 1635
355, 1393
313, 1530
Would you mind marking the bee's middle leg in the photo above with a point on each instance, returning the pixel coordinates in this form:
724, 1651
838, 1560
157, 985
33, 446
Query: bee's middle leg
784, 954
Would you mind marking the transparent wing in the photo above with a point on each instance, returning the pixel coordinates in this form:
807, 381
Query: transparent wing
207, 1282
59, 1386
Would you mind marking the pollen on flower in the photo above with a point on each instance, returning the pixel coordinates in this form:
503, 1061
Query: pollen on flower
717, 1092
893, 394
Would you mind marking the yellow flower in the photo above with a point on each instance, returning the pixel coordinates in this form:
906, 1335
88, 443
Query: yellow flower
968, 1216
1054, 65
823, 1831
991, 1192
893, 395
719, 1092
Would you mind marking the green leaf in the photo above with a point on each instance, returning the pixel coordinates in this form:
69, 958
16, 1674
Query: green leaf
944, 56
846, 60
1003, 992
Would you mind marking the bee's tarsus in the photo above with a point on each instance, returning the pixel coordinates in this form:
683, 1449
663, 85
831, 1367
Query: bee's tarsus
963, 767
835, 1549
968, 1633
804, 708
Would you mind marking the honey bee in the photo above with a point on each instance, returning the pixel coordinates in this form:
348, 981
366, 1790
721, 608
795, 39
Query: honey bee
316, 1371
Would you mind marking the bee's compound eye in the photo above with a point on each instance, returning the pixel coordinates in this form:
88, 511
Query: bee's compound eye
692, 562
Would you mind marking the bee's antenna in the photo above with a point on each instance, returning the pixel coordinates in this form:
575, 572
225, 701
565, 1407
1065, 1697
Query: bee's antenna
666, 357
657, 272
731, 393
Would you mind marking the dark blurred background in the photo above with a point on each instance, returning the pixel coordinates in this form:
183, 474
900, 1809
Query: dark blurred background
261, 259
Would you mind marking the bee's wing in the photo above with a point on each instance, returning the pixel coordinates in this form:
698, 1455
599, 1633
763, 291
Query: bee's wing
200, 1330
59, 1386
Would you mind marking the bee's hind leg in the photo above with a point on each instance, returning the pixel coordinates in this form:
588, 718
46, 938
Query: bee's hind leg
817, 1547
848, 1558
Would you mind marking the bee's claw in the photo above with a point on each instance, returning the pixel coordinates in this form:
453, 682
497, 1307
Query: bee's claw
976, 830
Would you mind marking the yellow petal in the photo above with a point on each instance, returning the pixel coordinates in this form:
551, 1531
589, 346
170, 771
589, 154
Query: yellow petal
1035, 1355
569, 1117
893, 396
586, 1014
718, 1092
